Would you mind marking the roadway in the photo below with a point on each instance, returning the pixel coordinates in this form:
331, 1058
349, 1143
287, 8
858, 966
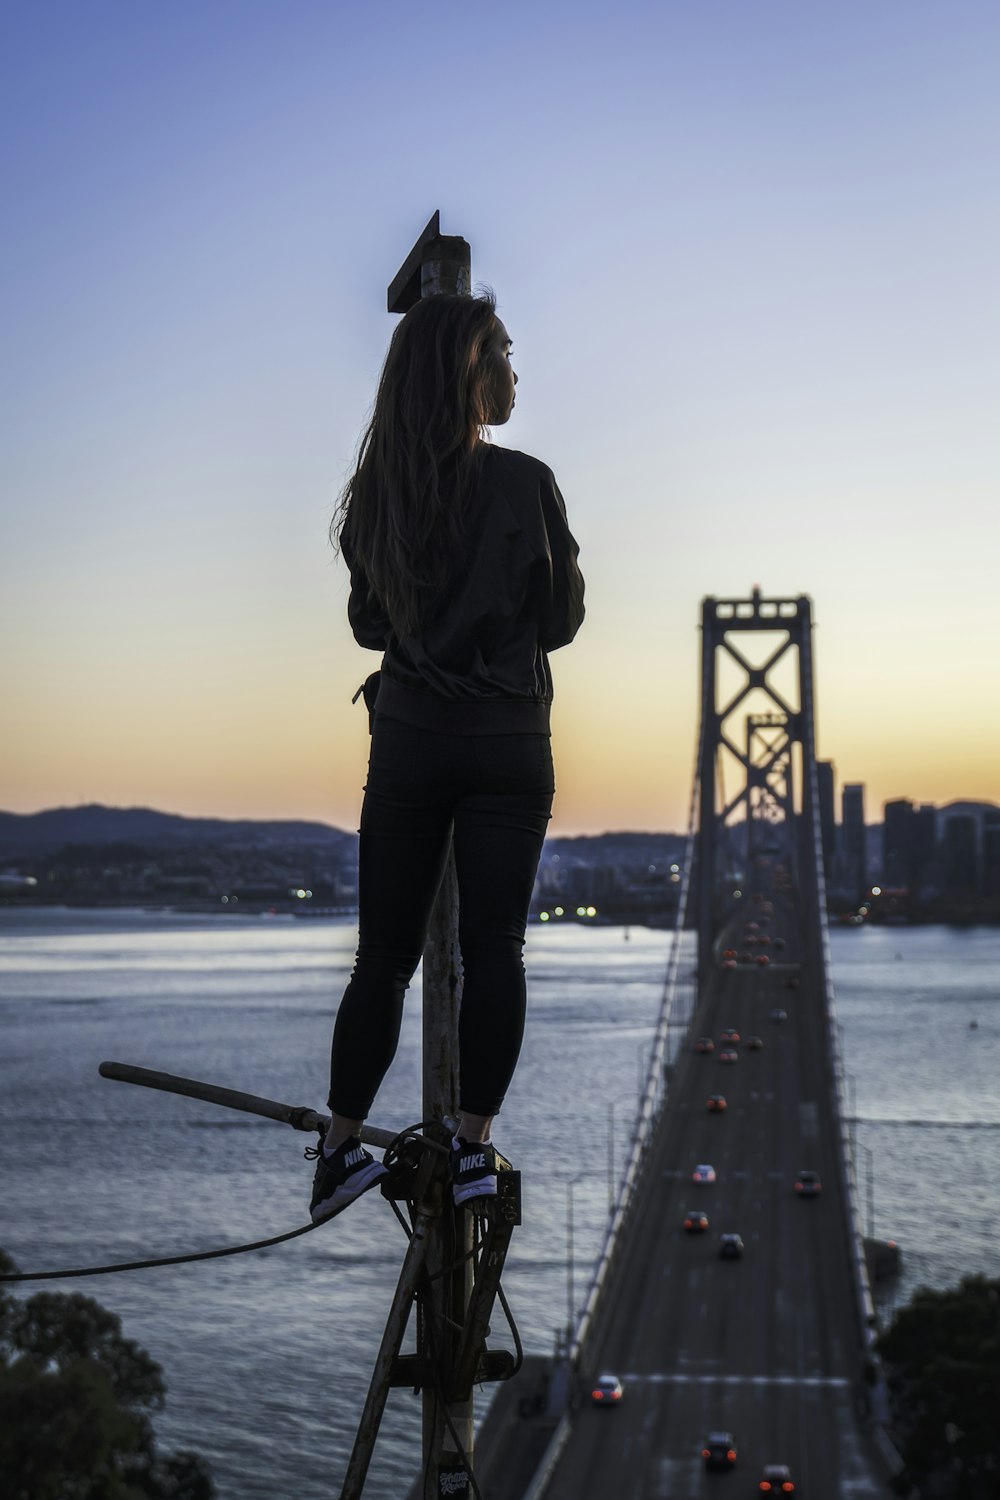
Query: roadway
764, 1347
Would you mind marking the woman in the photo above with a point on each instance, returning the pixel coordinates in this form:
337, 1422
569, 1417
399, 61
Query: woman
464, 574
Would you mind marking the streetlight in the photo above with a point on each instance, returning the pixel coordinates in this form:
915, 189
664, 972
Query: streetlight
611, 1159
570, 1299
870, 1195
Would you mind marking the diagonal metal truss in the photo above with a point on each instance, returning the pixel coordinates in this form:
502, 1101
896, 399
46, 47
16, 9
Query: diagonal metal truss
755, 737
768, 789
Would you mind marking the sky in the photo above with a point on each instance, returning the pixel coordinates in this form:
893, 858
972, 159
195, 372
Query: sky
747, 253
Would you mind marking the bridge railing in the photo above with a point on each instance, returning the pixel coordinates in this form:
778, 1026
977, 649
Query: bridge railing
676, 1008
813, 885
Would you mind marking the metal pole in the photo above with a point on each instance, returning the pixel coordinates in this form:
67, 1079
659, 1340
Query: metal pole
442, 983
441, 264
420, 1241
570, 1299
298, 1116
611, 1158
570, 1267
870, 1189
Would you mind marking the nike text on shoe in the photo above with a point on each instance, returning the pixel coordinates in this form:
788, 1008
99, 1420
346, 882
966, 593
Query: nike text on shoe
341, 1176
473, 1170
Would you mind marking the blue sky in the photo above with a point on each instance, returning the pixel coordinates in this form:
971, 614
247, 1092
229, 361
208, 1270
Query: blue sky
746, 252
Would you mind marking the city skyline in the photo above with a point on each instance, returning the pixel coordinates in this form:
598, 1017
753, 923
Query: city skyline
953, 807
746, 260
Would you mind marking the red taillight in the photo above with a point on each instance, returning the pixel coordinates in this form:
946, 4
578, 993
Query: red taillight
598, 1395
731, 1455
765, 1485
788, 1486
706, 1453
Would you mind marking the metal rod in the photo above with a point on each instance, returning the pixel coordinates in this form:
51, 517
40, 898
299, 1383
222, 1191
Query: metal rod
299, 1117
395, 1327
569, 1262
611, 1158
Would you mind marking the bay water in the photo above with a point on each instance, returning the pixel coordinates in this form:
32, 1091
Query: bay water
267, 1355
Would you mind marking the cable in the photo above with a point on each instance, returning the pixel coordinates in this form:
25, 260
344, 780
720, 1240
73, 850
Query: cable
519, 1350
441, 1402
462, 1454
477, 1244
179, 1260
166, 1260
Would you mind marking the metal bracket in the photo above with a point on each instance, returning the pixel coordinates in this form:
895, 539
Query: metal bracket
437, 263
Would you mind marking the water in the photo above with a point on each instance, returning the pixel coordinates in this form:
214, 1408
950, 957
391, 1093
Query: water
267, 1356
925, 1083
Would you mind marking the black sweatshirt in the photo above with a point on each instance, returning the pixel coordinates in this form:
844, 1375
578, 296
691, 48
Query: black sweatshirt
480, 666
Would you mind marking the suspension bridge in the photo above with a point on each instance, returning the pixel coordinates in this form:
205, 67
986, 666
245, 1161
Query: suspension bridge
772, 1347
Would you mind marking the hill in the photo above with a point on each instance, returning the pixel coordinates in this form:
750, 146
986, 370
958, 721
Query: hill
23, 835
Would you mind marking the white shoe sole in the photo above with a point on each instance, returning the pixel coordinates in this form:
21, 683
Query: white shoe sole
343, 1196
483, 1187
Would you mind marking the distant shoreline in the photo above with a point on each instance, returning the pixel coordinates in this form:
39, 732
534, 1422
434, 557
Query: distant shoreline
344, 912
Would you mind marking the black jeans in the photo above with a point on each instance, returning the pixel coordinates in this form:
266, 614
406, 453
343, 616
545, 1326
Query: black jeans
493, 795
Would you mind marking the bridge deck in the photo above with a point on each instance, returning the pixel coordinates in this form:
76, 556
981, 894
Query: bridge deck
764, 1347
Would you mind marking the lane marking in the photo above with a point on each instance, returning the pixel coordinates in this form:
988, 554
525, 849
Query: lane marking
659, 1377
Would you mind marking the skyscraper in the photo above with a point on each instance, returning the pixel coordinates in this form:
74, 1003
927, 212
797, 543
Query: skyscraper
961, 873
991, 854
852, 834
827, 821
898, 839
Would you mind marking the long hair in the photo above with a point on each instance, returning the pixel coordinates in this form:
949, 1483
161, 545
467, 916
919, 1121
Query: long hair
401, 511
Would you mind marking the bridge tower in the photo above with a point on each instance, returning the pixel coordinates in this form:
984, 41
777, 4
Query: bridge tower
758, 788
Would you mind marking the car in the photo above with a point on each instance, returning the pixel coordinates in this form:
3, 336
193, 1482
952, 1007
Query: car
754, 1043
776, 1479
746, 958
704, 1173
808, 1185
719, 1450
779, 1015
704, 1044
716, 1104
730, 1035
731, 1246
695, 1222
763, 959
729, 952
729, 1056
779, 942
607, 1391
729, 963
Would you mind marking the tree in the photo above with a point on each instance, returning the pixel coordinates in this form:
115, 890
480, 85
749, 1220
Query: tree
76, 1399
942, 1354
